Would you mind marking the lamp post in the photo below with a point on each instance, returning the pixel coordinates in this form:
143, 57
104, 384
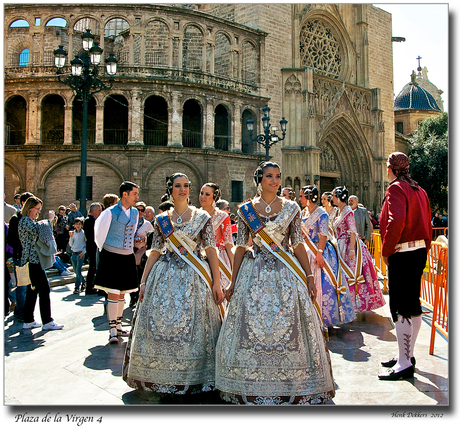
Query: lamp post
85, 82
267, 139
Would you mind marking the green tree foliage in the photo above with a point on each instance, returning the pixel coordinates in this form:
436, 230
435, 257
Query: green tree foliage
428, 156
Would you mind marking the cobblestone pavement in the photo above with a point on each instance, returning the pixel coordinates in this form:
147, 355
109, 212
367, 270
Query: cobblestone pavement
77, 366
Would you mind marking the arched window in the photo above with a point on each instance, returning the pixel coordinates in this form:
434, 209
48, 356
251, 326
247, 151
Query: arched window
19, 23
52, 120
15, 121
247, 145
56, 22
221, 128
116, 120
222, 55
24, 58
192, 125
155, 121
192, 48
77, 119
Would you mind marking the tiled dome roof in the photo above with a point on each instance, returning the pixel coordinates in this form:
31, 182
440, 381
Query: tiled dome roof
415, 97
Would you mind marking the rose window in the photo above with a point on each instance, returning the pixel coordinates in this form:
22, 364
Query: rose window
319, 49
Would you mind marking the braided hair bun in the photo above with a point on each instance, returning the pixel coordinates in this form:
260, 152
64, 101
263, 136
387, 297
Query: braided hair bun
342, 193
311, 193
215, 187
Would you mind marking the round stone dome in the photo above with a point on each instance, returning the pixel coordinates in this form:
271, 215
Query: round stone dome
414, 97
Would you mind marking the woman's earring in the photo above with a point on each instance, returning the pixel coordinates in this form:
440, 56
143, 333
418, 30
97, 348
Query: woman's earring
171, 199
259, 188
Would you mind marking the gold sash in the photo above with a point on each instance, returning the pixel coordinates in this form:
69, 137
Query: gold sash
339, 289
356, 277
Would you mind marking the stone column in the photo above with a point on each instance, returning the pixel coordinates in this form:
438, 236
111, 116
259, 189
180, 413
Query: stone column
99, 122
236, 128
135, 118
33, 119
208, 129
68, 124
175, 121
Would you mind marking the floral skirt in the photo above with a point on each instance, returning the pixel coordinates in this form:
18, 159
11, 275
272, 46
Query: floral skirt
172, 344
271, 349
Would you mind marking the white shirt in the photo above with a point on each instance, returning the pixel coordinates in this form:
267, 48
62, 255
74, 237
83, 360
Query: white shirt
78, 241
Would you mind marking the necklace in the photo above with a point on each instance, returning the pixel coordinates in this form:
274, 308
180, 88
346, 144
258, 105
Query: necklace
179, 217
268, 208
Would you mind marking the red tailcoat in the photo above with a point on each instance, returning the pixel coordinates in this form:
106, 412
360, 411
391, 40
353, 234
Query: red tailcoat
405, 216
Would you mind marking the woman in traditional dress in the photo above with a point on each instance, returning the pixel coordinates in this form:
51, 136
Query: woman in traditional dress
172, 346
365, 287
271, 348
326, 202
331, 282
209, 195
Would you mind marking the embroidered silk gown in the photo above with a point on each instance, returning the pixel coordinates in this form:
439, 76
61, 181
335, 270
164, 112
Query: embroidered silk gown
315, 225
172, 345
369, 295
271, 349
222, 235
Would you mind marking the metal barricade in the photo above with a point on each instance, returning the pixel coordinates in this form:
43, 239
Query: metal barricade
440, 320
379, 264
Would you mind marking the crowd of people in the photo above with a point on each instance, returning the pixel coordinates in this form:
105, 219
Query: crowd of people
240, 303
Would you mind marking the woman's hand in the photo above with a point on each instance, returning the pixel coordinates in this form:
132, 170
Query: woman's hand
312, 288
217, 293
351, 254
319, 260
229, 291
141, 293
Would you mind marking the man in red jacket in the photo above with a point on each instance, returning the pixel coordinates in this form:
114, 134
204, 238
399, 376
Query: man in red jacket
405, 228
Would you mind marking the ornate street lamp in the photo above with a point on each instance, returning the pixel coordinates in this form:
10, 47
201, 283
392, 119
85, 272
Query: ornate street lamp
267, 139
85, 82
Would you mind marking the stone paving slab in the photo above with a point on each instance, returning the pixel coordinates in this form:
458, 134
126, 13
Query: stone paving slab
77, 366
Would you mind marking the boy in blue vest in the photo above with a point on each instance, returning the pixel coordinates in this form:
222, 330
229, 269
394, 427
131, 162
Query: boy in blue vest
116, 274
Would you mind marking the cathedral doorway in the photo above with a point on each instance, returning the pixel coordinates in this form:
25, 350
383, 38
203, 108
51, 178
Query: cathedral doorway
327, 184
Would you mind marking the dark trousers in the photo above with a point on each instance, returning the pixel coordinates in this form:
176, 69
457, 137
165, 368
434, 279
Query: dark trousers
42, 290
405, 272
91, 270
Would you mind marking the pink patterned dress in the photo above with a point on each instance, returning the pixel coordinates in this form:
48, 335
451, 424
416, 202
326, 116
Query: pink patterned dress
369, 295
223, 236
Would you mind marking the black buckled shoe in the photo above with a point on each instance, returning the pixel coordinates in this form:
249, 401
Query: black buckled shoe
403, 374
393, 361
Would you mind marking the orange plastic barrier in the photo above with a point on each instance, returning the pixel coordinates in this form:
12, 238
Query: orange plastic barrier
375, 248
440, 321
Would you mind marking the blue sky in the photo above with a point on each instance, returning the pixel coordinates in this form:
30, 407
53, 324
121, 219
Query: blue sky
425, 28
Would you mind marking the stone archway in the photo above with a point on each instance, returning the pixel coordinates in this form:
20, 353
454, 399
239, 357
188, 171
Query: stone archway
346, 158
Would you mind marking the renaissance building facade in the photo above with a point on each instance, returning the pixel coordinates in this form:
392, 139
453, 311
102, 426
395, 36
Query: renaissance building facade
189, 77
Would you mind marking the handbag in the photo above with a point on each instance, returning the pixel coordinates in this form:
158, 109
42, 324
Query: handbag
22, 275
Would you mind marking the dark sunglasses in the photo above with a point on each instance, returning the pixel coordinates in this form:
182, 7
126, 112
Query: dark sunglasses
141, 210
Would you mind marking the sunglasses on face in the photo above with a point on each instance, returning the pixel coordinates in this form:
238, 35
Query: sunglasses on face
141, 210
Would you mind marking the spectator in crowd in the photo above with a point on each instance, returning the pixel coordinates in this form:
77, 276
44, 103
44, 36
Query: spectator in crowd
362, 220
15, 243
288, 193
165, 206
149, 214
108, 200
73, 214
140, 246
17, 201
61, 229
223, 205
77, 243
373, 218
91, 248
437, 220
29, 234
9, 211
